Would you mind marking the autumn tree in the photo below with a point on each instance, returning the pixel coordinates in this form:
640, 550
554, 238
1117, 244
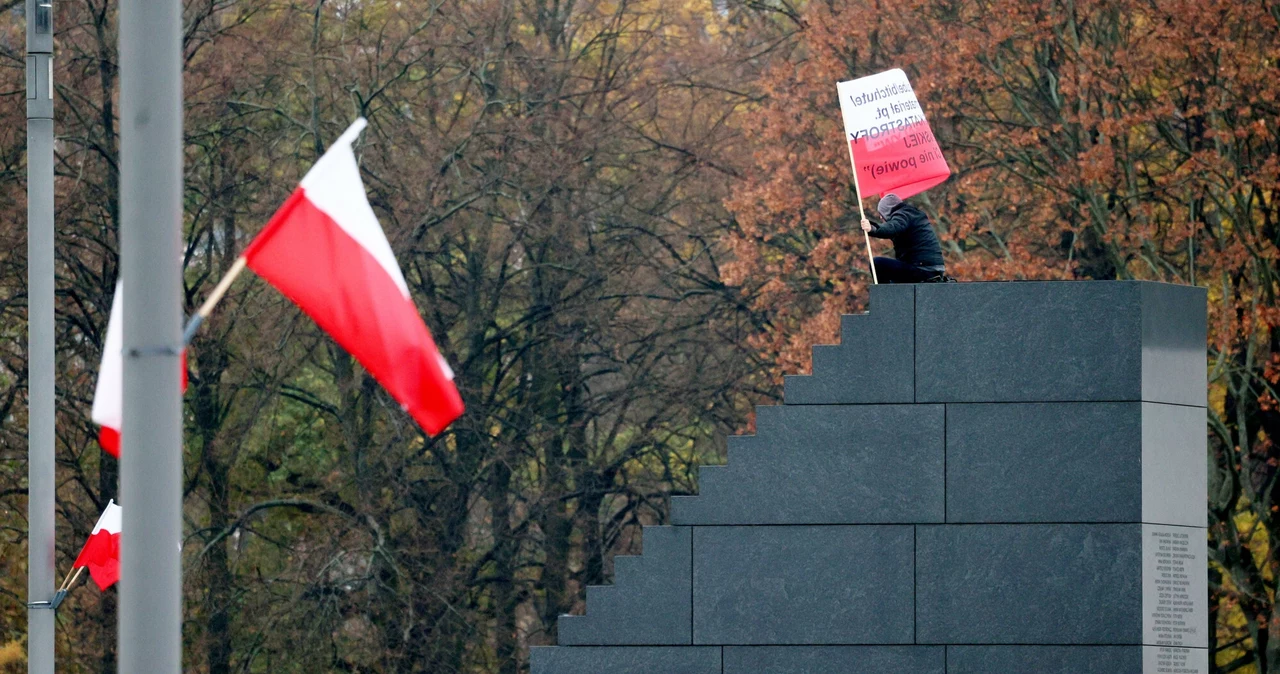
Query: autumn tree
1091, 140
550, 176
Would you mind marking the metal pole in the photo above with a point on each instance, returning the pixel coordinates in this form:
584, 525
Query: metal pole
150, 241
40, 337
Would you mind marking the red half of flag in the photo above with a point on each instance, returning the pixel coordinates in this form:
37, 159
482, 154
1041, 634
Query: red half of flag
101, 553
906, 161
325, 250
108, 396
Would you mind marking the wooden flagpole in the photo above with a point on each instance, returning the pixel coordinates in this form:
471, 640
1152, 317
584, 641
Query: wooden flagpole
71, 579
214, 297
866, 236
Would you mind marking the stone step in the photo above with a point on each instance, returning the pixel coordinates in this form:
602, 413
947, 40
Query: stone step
813, 585
874, 361
811, 464
836, 660
650, 601
625, 660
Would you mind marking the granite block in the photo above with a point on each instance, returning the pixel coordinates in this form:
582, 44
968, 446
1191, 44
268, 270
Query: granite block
1174, 334
624, 660
834, 659
1076, 462
873, 362
1175, 475
1062, 584
1038, 584
1059, 341
832, 464
810, 585
1076, 660
1044, 659
649, 602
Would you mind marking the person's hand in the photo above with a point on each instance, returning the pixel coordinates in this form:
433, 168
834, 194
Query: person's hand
866, 225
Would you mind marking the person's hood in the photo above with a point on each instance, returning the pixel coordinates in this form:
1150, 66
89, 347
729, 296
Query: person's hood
888, 203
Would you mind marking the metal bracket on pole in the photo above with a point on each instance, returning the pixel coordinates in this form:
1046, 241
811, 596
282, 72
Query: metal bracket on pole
52, 604
193, 325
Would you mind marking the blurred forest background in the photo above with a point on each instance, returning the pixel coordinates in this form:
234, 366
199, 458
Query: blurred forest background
623, 221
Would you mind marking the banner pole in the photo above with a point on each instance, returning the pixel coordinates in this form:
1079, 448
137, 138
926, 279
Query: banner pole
862, 215
214, 297
71, 579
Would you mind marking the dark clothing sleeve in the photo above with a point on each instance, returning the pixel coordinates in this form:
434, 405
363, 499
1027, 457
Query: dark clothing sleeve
914, 241
899, 221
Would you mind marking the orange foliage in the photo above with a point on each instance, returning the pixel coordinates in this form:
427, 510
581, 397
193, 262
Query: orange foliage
1088, 139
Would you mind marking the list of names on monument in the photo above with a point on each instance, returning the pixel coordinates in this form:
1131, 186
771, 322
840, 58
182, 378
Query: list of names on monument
1169, 660
1172, 552
1174, 586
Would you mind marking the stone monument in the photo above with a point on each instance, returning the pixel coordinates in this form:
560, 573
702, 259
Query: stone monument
981, 478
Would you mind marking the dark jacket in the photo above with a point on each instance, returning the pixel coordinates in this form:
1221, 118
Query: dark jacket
914, 241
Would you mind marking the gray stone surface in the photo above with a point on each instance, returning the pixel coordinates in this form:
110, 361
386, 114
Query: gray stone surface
1038, 584
1044, 659
810, 464
834, 660
811, 585
1044, 462
1058, 341
625, 660
873, 362
1076, 660
1174, 472
649, 602
1076, 462
1174, 333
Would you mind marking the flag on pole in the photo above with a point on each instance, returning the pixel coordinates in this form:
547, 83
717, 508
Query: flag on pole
108, 395
108, 403
892, 145
325, 250
101, 553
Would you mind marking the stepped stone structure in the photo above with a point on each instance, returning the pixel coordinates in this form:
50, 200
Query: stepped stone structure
980, 478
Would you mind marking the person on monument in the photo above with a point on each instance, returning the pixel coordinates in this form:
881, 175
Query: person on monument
915, 245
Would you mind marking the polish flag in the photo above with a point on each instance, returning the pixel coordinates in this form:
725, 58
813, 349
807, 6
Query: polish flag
325, 250
892, 146
108, 396
101, 553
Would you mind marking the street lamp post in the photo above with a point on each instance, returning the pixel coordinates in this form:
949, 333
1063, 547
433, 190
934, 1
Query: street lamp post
40, 337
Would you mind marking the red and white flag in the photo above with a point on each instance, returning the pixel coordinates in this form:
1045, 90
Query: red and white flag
108, 395
893, 148
101, 553
325, 250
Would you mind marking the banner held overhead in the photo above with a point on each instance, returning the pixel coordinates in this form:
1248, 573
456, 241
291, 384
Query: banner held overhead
893, 148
